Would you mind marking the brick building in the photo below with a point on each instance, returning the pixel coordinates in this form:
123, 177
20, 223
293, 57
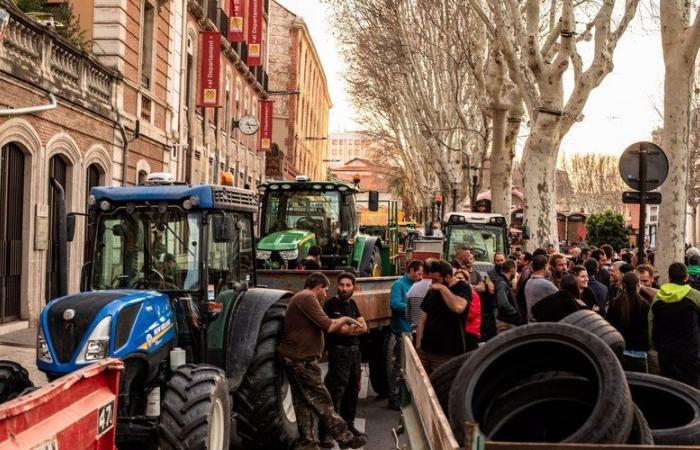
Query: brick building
302, 102
74, 140
212, 141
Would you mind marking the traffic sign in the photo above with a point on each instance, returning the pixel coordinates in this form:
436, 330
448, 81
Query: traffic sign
634, 197
656, 165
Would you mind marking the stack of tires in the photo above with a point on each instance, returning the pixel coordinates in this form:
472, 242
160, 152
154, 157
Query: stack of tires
563, 382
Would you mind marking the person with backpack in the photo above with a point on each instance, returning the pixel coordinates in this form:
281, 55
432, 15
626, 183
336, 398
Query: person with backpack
694, 271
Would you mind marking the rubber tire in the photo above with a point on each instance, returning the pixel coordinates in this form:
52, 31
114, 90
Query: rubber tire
524, 351
640, 434
14, 380
186, 405
593, 322
668, 397
381, 361
259, 401
547, 385
376, 258
443, 377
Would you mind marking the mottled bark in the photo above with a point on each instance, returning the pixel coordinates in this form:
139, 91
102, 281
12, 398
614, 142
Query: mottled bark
540, 172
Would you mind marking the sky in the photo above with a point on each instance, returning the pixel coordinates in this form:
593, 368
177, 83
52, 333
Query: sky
619, 112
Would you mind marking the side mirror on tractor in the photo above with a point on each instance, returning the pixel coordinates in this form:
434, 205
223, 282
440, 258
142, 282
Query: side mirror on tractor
224, 228
70, 227
526, 232
373, 201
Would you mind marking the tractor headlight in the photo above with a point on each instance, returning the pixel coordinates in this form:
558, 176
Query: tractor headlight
289, 254
97, 345
264, 254
42, 348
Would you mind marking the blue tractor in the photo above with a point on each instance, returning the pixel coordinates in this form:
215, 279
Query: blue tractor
167, 287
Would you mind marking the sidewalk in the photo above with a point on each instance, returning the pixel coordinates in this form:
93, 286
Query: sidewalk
19, 345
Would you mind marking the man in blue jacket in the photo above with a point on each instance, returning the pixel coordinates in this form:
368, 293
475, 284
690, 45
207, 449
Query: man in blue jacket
400, 323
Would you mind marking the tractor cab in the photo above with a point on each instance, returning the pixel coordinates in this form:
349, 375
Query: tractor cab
162, 253
484, 234
297, 215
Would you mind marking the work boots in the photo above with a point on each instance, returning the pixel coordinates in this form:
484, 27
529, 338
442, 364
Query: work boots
357, 441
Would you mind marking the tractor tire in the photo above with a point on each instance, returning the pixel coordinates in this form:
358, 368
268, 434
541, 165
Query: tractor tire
520, 353
593, 322
195, 410
374, 267
14, 380
381, 361
443, 377
671, 408
263, 402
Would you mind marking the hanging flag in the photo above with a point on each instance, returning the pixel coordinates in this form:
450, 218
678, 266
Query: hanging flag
235, 26
209, 69
255, 16
266, 125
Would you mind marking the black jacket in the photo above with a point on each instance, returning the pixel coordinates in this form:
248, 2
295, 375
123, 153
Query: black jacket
636, 333
555, 307
674, 321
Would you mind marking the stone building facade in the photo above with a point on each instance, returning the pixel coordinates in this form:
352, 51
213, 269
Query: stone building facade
74, 141
302, 103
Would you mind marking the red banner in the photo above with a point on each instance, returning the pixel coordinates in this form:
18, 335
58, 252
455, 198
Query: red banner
209, 69
266, 125
235, 26
255, 16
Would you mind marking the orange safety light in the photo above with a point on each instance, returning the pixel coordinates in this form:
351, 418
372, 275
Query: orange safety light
356, 178
226, 179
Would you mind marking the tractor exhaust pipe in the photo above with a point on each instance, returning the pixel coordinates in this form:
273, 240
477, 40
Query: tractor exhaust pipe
62, 246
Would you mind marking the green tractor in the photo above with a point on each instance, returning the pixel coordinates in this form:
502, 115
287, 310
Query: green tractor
296, 215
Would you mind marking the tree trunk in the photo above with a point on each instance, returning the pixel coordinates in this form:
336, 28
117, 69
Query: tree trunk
672, 213
501, 165
540, 174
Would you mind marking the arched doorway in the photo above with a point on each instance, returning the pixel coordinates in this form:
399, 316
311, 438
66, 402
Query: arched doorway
11, 226
141, 177
58, 169
94, 176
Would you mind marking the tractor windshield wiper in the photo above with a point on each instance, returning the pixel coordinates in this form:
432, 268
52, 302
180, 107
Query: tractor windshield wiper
184, 244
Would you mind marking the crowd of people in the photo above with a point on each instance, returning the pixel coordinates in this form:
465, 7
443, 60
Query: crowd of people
448, 308
660, 324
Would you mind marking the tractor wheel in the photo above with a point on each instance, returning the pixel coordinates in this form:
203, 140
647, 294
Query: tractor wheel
374, 267
196, 410
263, 402
14, 380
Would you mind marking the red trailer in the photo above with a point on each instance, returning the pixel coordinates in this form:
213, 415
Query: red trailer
77, 412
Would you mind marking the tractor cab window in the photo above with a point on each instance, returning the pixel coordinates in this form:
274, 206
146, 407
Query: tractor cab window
483, 240
232, 261
314, 211
348, 217
148, 248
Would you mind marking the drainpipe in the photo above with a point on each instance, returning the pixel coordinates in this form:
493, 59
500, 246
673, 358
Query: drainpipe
29, 109
125, 162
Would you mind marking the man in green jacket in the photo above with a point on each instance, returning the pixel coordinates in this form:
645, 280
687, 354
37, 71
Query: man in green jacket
674, 325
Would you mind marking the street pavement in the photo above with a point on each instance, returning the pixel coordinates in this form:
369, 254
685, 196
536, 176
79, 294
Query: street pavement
373, 417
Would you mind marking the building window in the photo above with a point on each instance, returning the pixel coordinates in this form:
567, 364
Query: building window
147, 44
189, 80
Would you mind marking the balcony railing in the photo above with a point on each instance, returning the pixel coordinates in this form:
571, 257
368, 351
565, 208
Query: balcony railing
33, 53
